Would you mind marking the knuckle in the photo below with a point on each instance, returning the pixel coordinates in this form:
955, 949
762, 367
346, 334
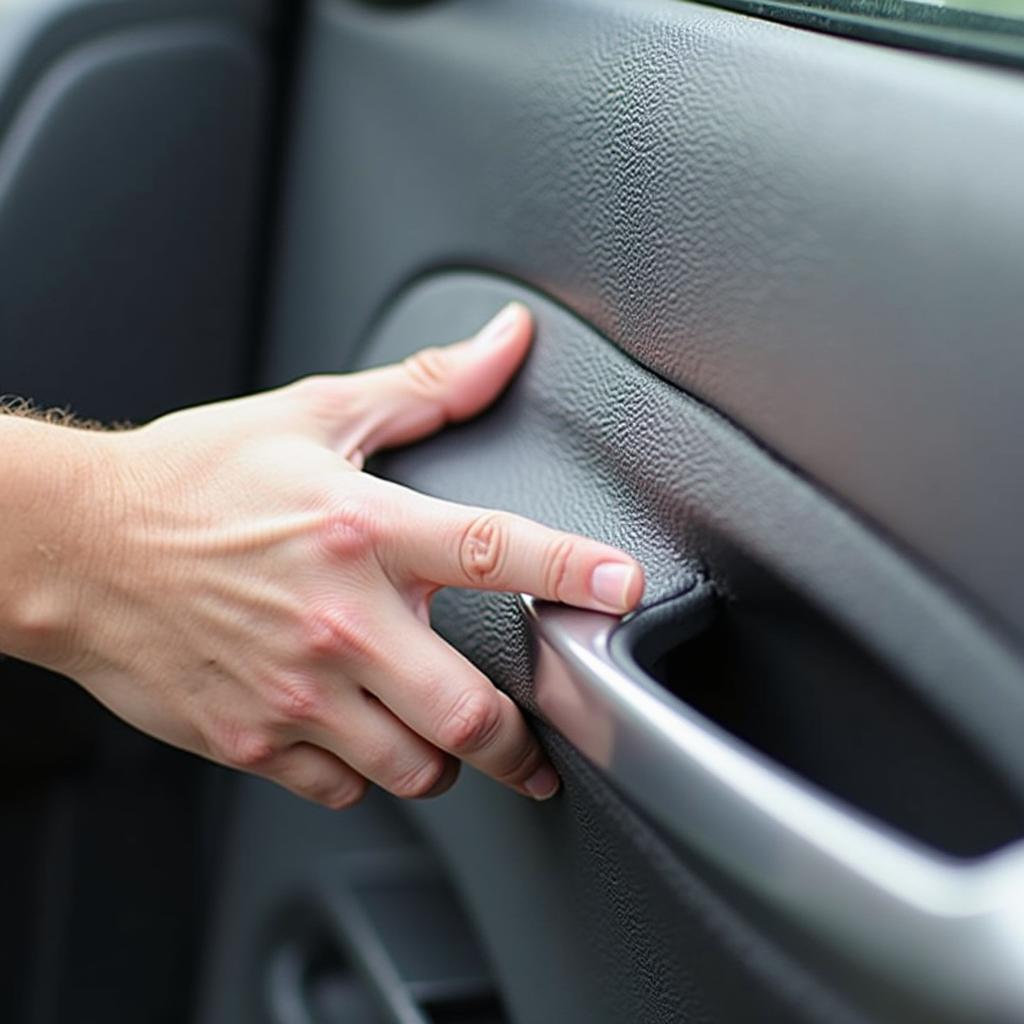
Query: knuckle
483, 549
318, 392
522, 765
472, 723
246, 749
311, 777
557, 560
298, 701
337, 633
420, 780
427, 371
348, 531
341, 797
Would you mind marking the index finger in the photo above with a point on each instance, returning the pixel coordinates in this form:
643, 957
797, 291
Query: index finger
451, 545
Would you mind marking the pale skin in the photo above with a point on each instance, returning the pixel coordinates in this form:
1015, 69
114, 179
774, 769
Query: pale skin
227, 579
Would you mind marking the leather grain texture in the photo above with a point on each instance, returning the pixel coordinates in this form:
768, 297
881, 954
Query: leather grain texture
600, 922
587, 440
819, 237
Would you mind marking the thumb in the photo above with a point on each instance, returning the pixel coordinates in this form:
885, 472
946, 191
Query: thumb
401, 403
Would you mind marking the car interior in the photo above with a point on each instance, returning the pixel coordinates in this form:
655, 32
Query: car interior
774, 250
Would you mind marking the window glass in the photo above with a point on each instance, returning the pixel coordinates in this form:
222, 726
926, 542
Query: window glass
991, 30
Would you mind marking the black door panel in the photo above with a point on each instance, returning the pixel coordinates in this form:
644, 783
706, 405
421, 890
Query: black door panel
587, 440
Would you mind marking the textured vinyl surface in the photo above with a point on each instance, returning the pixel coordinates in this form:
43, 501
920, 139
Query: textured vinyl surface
820, 237
587, 914
587, 440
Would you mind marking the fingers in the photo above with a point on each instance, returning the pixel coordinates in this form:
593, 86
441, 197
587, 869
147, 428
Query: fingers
458, 546
397, 404
385, 750
316, 775
422, 707
377, 696
451, 705
333, 762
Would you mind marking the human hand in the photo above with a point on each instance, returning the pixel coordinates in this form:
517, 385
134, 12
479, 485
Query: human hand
244, 591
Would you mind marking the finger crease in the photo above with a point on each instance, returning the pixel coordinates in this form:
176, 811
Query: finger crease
560, 568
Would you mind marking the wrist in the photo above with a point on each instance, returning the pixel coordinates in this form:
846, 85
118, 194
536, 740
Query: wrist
60, 485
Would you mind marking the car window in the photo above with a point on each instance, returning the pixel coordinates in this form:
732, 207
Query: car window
990, 30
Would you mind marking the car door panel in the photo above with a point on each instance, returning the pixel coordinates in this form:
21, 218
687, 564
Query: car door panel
776, 276
607, 917
693, 498
664, 477
817, 236
776, 286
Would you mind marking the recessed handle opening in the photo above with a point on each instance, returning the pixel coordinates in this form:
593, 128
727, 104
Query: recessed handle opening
778, 675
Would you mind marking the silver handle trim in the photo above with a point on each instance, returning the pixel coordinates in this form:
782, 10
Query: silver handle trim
945, 931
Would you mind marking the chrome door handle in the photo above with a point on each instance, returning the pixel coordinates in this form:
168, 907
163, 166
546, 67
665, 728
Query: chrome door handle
946, 932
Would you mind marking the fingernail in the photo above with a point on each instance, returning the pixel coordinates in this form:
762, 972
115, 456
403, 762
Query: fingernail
611, 584
498, 329
543, 783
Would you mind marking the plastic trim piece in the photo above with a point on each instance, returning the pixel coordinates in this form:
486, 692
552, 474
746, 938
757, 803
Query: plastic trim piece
946, 933
397, 922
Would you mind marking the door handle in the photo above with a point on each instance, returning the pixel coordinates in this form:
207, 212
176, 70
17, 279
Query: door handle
943, 931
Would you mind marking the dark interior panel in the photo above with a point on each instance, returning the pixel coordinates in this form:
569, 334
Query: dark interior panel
129, 184
693, 498
777, 285
340, 919
36, 33
820, 237
583, 925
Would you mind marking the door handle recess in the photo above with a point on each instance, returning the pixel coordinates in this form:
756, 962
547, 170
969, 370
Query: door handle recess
943, 932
